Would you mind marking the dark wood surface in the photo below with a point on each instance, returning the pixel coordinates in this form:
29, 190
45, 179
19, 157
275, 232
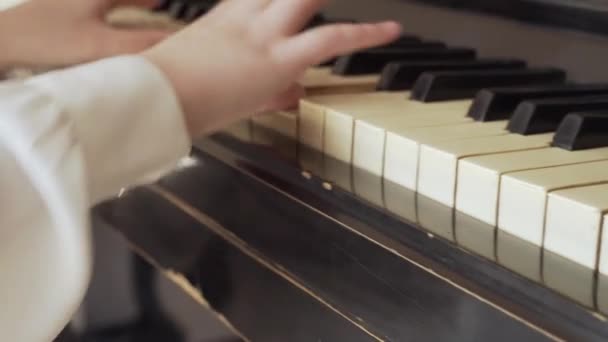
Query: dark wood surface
585, 15
319, 256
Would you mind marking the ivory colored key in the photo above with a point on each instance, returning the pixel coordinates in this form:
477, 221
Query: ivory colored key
523, 195
356, 133
574, 222
604, 251
518, 255
317, 81
438, 165
479, 178
402, 146
313, 111
435, 217
320, 81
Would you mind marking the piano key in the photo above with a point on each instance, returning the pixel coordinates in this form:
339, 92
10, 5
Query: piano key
475, 236
603, 262
573, 223
479, 177
435, 217
373, 61
283, 122
313, 110
545, 115
320, 81
452, 85
569, 278
368, 187
402, 146
338, 173
523, 195
582, 131
518, 255
400, 201
365, 144
602, 291
500, 103
403, 75
438, 163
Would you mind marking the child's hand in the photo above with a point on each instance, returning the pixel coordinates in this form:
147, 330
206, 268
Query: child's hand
55, 33
246, 55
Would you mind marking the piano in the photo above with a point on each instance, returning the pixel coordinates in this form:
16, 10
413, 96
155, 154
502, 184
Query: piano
452, 185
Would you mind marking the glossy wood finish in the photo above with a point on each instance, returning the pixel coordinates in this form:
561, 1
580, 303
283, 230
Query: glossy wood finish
370, 272
586, 15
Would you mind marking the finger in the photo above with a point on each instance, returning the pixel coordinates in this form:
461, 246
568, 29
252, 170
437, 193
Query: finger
287, 17
117, 42
321, 44
286, 100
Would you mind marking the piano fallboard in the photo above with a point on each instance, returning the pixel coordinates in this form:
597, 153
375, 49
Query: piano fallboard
281, 252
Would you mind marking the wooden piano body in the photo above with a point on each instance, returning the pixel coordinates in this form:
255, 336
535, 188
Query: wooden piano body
255, 228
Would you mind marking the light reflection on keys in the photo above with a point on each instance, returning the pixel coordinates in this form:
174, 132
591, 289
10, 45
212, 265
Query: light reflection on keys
435, 217
400, 201
475, 235
519, 256
569, 278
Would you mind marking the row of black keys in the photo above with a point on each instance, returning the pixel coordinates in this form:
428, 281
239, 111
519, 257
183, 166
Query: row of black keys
536, 100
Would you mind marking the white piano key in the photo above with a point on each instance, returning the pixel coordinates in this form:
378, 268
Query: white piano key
313, 111
368, 187
369, 137
573, 223
283, 122
321, 81
435, 217
479, 183
438, 163
569, 278
523, 195
403, 146
519, 256
603, 266
475, 236
338, 173
400, 201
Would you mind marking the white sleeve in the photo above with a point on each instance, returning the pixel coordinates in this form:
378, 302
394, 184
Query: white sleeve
67, 140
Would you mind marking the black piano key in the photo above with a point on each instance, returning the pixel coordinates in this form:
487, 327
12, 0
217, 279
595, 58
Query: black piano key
545, 115
580, 131
403, 75
421, 44
417, 44
373, 61
195, 11
453, 85
177, 9
499, 103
